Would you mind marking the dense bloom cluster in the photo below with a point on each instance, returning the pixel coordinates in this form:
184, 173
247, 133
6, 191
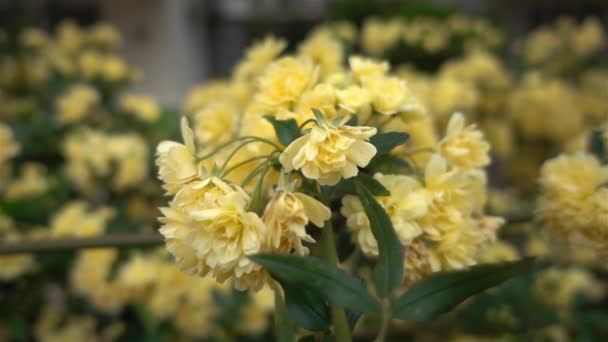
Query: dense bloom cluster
439, 217
573, 203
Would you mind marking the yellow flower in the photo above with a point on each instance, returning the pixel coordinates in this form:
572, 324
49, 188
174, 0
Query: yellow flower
257, 58
73, 219
355, 100
406, 203
560, 286
10, 147
321, 97
464, 146
104, 35
142, 107
497, 252
76, 103
572, 204
209, 230
215, 123
377, 36
328, 153
32, 182
176, 162
255, 313
324, 50
285, 80
363, 68
286, 217
390, 95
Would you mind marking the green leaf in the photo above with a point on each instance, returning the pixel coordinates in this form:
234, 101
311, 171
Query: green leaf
283, 326
385, 142
333, 284
347, 186
440, 293
371, 184
307, 308
286, 130
388, 273
597, 146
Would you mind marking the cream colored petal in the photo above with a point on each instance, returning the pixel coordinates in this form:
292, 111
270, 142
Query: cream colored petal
316, 212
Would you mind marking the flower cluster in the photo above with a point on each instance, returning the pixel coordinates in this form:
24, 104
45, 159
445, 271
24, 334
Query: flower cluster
438, 216
122, 158
573, 203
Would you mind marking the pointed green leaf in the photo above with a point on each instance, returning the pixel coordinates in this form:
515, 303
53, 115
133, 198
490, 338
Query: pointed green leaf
286, 130
333, 284
388, 273
385, 142
370, 183
307, 308
440, 293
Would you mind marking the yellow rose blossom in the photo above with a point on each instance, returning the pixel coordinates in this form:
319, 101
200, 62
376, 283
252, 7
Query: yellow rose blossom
215, 123
407, 202
572, 201
363, 68
32, 182
329, 153
464, 146
74, 219
209, 230
377, 35
390, 95
176, 162
76, 104
257, 58
285, 80
559, 286
322, 97
324, 50
286, 217
142, 107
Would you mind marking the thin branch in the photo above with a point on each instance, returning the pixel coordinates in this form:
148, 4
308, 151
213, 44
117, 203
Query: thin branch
69, 244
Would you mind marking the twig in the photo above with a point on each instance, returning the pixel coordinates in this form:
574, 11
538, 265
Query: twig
68, 244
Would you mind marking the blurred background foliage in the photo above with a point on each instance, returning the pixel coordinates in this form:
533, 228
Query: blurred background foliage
78, 127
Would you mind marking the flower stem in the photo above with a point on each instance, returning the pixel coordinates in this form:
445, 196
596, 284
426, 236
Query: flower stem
338, 316
386, 319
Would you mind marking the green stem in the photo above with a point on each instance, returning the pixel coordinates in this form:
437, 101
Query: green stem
338, 316
232, 168
386, 319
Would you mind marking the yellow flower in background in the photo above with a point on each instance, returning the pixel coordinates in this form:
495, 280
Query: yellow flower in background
114, 69
377, 35
75, 219
33, 181
104, 35
322, 97
286, 217
497, 252
257, 58
90, 278
324, 50
142, 107
355, 100
215, 123
255, 312
10, 147
560, 286
15, 265
390, 95
329, 153
285, 80
176, 162
572, 203
407, 202
76, 103
363, 68
464, 146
